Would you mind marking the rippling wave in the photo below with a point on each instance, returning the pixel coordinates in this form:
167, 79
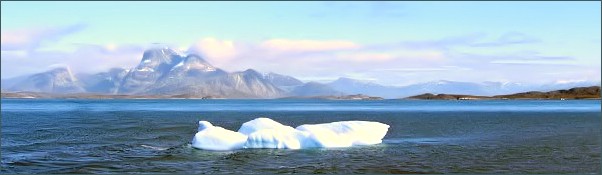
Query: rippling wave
90, 139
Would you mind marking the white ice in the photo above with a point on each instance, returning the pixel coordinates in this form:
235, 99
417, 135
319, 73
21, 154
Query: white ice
345, 133
267, 133
216, 138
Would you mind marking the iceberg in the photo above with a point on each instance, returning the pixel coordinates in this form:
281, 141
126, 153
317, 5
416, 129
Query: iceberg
345, 133
277, 138
216, 138
260, 124
267, 133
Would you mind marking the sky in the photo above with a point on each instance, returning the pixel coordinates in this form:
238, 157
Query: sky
391, 43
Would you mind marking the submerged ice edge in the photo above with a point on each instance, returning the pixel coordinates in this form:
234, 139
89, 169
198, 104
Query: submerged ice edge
267, 133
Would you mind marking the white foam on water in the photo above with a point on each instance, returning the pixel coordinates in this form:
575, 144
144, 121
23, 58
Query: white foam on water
154, 147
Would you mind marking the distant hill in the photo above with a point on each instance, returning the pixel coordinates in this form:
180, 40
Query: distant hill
314, 89
592, 92
573, 93
429, 96
343, 97
488, 88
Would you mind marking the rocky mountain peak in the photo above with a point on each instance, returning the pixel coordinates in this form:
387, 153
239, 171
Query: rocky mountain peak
61, 74
252, 72
195, 58
56, 80
282, 80
159, 56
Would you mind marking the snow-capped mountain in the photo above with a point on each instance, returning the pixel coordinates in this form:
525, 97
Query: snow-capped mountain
163, 71
282, 80
104, 82
193, 65
250, 82
58, 80
154, 65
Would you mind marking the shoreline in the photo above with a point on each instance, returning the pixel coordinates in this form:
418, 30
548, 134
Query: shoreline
577, 93
404, 99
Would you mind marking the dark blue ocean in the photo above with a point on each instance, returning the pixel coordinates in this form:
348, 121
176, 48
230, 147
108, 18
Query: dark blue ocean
153, 136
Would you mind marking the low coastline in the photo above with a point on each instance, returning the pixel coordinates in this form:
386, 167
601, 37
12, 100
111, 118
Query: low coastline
577, 93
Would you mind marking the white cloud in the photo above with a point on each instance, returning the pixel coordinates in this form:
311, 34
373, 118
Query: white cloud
287, 45
221, 51
29, 39
365, 57
388, 63
420, 69
510, 38
85, 58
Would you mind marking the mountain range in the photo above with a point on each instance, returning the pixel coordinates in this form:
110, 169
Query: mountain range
488, 88
163, 71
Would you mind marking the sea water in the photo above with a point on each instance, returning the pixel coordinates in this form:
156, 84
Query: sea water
153, 136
